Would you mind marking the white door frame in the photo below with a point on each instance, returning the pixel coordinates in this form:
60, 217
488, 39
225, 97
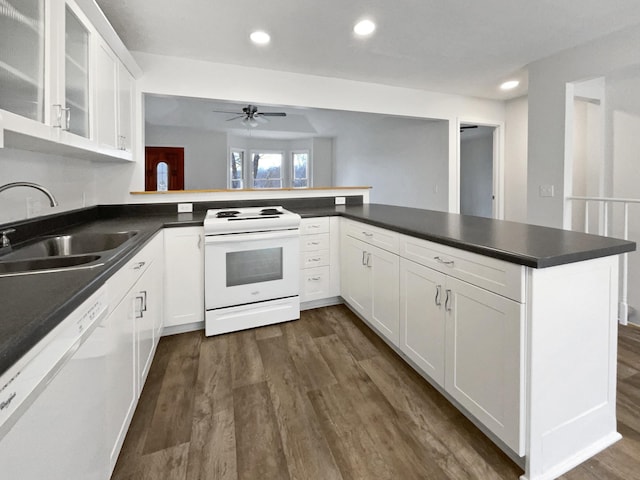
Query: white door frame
498, 165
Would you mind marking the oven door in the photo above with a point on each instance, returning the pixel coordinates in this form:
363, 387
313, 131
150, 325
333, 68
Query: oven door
251, 267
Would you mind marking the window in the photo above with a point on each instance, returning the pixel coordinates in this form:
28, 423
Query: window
236, 168
300, 177
162, 179
266, 169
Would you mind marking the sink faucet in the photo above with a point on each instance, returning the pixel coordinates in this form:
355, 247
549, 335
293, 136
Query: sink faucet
52, 200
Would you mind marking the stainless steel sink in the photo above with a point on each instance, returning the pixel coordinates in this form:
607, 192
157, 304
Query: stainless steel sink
72, 244
40, 265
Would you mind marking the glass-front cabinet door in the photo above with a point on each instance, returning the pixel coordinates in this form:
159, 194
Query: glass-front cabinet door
22, 58
76, 68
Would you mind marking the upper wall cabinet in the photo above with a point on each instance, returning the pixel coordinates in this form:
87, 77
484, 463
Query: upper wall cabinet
66, 81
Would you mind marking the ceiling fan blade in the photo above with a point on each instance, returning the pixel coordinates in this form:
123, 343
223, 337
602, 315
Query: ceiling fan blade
464, 127
235, 118
226, 111
274, 114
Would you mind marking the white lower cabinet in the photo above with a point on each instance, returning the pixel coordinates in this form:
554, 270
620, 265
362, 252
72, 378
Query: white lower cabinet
470, 342
131, 336
184, 277
484, 358
319, 259
371, 285
422, 317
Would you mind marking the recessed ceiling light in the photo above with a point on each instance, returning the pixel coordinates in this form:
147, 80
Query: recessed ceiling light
260, 37
364, 27
511, 84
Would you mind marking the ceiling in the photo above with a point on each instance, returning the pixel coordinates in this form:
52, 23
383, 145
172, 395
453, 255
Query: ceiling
204, 114
453, 46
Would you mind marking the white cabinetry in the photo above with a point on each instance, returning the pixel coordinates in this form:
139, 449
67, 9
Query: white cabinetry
106, 90
62, 93
466, 339
422, 318
319, 260
135, 292
371, 279
184, 279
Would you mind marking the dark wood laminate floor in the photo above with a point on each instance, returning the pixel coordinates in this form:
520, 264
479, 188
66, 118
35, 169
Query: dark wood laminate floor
323, 398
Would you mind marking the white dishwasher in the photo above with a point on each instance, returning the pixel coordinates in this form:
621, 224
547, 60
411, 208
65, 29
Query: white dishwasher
52, 403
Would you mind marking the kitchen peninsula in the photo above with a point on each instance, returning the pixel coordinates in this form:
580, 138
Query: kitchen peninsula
551, 349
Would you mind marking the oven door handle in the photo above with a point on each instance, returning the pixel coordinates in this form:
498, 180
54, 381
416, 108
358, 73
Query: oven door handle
255, 236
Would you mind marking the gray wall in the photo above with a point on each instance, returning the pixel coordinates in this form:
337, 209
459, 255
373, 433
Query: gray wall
515, 161
476, 174
405, 160
205, 154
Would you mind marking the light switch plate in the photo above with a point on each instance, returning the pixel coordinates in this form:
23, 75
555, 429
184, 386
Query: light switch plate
546, 190
185, 207
341, 200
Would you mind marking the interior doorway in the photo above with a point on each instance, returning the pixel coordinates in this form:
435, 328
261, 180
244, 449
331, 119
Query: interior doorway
164, 168
477, 170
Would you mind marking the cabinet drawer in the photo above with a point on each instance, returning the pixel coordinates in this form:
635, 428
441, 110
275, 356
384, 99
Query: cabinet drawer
319, 258
385, 239
498, 276
309, 226
309, 243
314, 284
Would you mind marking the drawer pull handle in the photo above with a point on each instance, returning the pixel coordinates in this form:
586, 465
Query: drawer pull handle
444, 262
314, 226
313, 279
139, 265
438, 300
314, 243
447, 301
317, 259
367, 234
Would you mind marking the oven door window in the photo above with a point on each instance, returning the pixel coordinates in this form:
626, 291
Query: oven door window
254, 266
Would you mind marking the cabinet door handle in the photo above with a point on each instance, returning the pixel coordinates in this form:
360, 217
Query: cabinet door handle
144, 300
367, 234
139, 265
438, 300
199, 241
368, 264
67, 120
444, 262
447, 301
364, 256
58, 115
138, 307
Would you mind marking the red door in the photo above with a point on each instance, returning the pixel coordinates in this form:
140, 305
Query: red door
173, 157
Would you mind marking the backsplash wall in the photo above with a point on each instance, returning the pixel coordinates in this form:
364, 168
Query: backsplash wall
72, 182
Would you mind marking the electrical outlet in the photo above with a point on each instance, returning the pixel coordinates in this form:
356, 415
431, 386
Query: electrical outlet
341, 200
185, 207
546, 190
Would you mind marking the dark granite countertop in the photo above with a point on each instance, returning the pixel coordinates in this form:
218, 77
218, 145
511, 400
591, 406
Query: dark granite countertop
524, 244
32, 305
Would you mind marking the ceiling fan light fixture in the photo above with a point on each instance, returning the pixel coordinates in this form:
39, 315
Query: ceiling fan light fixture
260, 38
509, 85
364, 28
249, 122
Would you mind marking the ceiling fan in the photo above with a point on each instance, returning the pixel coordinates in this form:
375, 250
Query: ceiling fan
465, 127
250, 115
